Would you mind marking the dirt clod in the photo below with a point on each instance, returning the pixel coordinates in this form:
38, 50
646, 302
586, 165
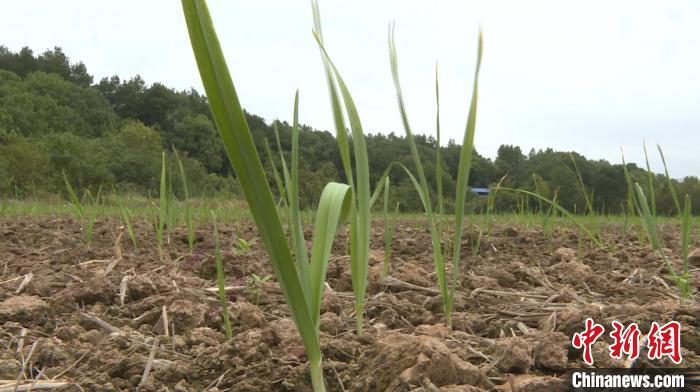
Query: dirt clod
551, 351
186, 315
247, 315
400, 362
331, 323
511, 232
96, 290
205, 336
9, 367
26, 309
412, 273
570, 271
564, 254
514, 355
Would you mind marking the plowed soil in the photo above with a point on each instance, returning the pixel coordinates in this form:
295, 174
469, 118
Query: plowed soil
99, 317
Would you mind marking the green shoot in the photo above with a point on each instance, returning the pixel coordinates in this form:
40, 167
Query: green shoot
650, 181
547, 222
388, 232
438, 156
292, 184
255, 285
447, 291
671, 188
422, 186
278, 179
587, 198
538, 191
360, 213
333, 207
88, 218
126, 216
476, 243
220, 279
465, 159
630, 188
163, 205
171, 212
682, 281
686, 225
632, 206
74, 200
241, 246
491, 204
188, 208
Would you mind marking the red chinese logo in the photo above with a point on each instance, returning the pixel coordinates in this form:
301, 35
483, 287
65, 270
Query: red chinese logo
625, 341
662, 341
587, 338
665, 341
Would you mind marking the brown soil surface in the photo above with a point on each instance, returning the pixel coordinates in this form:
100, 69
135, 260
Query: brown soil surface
91, 316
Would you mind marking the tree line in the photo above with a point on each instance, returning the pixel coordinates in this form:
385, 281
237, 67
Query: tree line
55, 119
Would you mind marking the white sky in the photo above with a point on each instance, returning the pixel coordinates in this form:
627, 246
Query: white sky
588, 76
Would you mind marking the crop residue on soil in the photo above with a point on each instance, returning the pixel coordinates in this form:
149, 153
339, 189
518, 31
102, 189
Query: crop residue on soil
96, 317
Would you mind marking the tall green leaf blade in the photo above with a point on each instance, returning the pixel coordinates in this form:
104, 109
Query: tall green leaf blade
360, 210
238, 141
387, 230
650, 184
188, 208
75, 201
298, 240
276, 174
649, 220
438, 154
129, 228
465, 159
287, 178
582, 186
671, 188
221, 279
686, 224
425, 195
285, 171
163, 206
381, 183
631, 200
362, 228
333, 209
292, 197
646, 214
587, 198
336, 107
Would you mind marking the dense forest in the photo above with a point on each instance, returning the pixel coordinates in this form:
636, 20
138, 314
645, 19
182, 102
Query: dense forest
54, 119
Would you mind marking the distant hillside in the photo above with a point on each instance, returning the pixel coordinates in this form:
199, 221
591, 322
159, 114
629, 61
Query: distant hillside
55, 118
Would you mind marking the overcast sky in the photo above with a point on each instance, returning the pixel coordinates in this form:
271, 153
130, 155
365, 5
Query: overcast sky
587, 76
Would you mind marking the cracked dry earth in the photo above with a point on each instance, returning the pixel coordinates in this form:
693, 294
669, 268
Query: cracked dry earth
98, 318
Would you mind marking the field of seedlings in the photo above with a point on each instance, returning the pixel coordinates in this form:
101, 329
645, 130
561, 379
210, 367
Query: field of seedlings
117, 314
174, 291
